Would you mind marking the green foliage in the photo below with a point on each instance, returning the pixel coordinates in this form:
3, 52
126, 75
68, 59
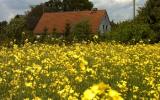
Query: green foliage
15, 28
74, 5
132, 32
150, 14
113, 24
33, 17
15, 31
53, 6
29, 36
146, 26
82, 30
3, 25
3, 33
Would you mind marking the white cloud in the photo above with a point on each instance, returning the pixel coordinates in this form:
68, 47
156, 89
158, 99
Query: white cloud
9, 8
118, 10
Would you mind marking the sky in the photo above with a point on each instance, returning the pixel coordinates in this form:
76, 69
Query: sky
118, 10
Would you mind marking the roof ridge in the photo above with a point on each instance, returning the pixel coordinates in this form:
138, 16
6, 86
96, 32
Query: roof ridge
73, 11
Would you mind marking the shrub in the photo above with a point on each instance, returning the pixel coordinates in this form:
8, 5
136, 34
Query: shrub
81, 30
132, 32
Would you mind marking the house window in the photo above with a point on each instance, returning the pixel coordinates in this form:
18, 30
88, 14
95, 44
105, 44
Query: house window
106, 27
103, 27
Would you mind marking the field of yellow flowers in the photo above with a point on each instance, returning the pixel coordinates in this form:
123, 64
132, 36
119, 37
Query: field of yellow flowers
87, 71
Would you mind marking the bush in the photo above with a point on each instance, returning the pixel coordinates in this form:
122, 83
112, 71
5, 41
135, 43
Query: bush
132, 32
82, 30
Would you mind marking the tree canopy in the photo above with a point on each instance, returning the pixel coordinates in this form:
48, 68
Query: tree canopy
150, 14
74, 5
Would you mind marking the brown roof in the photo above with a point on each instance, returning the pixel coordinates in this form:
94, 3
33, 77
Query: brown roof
58, 20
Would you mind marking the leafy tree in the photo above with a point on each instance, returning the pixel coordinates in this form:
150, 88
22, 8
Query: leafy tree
74, 5
113, 24
53, 6
132, 32
33, 16
150, 14
3, 26
15, 28
3, 33
145, 27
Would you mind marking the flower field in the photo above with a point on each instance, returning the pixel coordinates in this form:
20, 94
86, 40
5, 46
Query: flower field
87, 71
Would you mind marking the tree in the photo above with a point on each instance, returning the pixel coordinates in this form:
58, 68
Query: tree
77, 5
53, 6
33, 17
3, 27
131, 32
150, 14
113, 24
15, 28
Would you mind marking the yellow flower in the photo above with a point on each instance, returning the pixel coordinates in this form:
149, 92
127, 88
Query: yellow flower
100, 89
83, 63
158, 87
28, 84
1, 80
82, 66
79, 79
26, 99
37, 98
88, 95
44, 85
114, 95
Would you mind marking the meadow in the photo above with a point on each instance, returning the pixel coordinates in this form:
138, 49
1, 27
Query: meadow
87, 71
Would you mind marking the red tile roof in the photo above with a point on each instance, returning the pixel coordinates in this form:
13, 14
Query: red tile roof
58, 20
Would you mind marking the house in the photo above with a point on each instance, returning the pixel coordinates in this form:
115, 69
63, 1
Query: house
98, 19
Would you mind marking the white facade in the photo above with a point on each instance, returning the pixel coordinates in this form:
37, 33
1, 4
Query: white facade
104, 25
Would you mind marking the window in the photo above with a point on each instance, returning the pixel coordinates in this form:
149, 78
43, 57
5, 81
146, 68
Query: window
103, 27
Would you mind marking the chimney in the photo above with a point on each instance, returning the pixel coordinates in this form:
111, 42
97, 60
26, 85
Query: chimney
94, 10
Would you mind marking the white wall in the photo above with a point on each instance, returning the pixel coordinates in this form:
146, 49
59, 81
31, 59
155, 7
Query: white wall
104, 26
